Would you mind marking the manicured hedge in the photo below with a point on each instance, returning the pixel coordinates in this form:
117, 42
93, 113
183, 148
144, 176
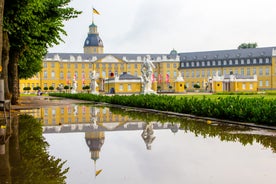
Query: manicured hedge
254, 110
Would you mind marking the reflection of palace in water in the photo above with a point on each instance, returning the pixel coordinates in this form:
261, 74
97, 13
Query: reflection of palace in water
94, 121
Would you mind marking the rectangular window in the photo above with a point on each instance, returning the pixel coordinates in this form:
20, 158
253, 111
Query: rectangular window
168, 65
248, 71
68, 65
129, 87
197, 73
214, 73
187, 73
214, 63
76, 65
90, 65
121, 87
61, 75
266, 83
45, 74
260, 83
61, 65
260, 71
251, 86
193, 74
44, 65
53, 65
254, 71
202, 63
243, 86
242, 71
203, 73
53, 74
260, 61
266, 71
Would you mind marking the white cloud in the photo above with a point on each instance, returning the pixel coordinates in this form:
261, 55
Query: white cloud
157, 26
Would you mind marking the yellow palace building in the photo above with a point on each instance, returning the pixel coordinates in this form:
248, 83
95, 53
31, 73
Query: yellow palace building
194, 67
61, 68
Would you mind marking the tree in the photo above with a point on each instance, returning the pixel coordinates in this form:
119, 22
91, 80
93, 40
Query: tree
196, 86
247, 45
159, 88
86, 88
66, 87
32, 26
51, 88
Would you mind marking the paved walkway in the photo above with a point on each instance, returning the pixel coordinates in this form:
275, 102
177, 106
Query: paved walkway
33, 102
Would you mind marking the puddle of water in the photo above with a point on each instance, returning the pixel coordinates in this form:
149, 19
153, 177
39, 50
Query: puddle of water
104, 145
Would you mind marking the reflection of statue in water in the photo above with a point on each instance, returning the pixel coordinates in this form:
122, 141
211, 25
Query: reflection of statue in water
147, 71
93, 112
75, 110
75, 85
93, 84
147, 135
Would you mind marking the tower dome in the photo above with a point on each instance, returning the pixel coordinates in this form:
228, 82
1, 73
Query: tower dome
93, 44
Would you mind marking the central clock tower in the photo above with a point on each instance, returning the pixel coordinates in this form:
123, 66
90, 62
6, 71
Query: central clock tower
93, 44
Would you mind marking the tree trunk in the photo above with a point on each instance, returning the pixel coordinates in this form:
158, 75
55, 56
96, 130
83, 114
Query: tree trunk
5, 62
1, 26
13, 75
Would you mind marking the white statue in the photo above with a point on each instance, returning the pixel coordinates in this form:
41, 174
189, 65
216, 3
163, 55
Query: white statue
75, 85
147, 72
93, 84
179, 78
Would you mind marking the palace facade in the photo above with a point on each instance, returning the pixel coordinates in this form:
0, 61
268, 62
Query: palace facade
195, 67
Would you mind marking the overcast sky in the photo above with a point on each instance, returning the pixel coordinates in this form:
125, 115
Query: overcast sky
158, 26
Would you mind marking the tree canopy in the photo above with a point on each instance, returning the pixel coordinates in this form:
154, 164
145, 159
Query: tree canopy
32, 27
247, 45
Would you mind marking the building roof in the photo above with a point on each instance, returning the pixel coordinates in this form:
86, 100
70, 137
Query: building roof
126, 76
126, 57
188, 56
224, 54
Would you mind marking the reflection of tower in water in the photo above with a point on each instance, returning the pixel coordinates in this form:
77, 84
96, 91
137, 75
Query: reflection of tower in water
94, 141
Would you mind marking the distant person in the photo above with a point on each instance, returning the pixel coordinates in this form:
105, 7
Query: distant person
39, 92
